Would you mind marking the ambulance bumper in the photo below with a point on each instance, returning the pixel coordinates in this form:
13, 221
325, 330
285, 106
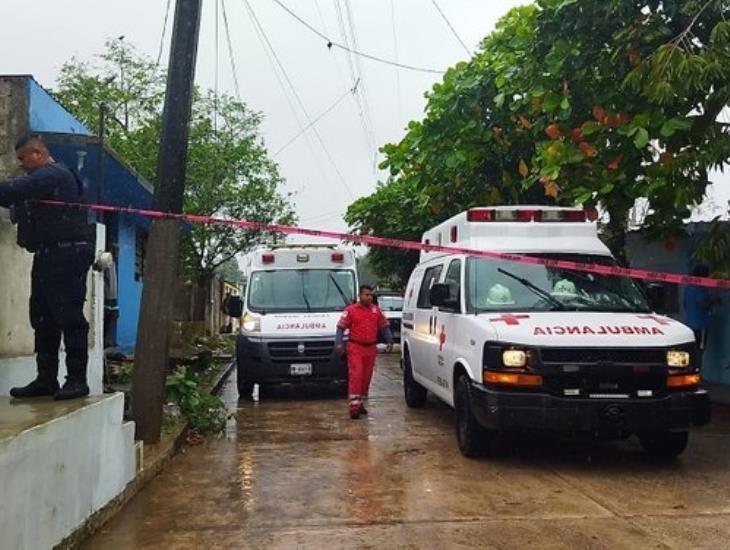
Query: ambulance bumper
512, 411
274, 361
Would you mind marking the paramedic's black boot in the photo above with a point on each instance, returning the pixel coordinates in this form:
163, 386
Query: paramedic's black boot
45, 384
75, 385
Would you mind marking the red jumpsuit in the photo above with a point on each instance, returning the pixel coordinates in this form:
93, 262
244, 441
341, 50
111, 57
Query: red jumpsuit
364, 324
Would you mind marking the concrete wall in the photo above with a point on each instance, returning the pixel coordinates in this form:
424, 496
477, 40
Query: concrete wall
58, 467
16, 336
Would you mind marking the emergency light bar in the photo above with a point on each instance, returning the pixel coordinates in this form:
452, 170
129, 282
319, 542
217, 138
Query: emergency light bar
524, 215
267, 258
338, 257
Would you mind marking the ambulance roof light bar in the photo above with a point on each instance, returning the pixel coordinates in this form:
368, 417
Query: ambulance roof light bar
524, 215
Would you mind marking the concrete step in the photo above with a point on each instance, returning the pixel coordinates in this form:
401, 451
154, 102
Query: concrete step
60, 461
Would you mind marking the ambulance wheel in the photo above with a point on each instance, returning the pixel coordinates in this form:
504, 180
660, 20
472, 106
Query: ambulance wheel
414, 393
245, 387
472, 437
664, 444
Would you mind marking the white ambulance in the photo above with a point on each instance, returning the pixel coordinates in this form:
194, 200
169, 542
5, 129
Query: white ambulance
521, 347
293, 300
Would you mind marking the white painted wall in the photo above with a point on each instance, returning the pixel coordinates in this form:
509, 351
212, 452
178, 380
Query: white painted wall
55, 474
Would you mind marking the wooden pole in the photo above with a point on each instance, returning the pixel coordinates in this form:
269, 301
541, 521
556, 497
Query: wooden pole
161, 262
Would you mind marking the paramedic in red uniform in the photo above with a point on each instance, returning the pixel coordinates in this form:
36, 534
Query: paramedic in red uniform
364, 320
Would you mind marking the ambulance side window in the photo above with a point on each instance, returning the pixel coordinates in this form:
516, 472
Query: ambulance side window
453, 281
429, 278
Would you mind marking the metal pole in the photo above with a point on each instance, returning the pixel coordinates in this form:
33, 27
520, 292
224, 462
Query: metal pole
152, 351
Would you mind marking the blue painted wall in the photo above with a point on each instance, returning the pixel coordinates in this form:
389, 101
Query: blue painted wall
130, 291
47, 115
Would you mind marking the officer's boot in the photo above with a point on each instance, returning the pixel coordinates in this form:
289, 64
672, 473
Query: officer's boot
45, 384
75, 385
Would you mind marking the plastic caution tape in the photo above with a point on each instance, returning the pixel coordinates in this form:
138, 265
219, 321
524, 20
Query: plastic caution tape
655, 276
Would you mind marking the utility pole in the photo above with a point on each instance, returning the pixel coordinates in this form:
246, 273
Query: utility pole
160, 273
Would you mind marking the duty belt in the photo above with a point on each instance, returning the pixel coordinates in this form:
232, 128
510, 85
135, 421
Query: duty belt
62, 244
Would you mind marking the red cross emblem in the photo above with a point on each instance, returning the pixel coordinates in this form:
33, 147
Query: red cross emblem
659, 320
442, 338
510, 319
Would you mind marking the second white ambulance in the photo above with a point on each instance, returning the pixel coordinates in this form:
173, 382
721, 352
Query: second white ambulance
519, 347
294, 298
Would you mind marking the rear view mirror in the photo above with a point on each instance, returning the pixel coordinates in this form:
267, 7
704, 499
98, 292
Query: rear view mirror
439, 295
657, 297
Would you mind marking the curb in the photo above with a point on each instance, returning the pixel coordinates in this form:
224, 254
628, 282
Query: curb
164, 452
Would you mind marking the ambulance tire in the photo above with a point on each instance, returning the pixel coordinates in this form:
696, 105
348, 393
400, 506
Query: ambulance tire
245, 387
664, 444
474, 440
414, 393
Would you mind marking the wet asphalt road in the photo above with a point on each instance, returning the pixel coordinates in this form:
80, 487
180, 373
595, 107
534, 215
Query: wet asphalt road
293, 471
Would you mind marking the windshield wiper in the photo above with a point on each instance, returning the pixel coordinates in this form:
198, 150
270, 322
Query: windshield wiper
304, 295
544, 294
631, 305
339, 289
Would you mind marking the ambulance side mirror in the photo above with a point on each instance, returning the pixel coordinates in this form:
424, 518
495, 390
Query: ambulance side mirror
439, 295
657, 297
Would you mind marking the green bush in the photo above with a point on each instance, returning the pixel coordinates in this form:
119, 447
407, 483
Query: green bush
205, 413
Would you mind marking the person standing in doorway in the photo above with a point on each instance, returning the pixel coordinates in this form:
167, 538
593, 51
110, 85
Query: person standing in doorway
698, 305
59, 238
364, 320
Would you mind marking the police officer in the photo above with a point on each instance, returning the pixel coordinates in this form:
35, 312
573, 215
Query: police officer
364, 320
59, 238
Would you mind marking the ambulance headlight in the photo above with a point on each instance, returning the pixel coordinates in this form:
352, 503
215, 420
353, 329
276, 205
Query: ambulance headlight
678, 359
514, 358
251, 323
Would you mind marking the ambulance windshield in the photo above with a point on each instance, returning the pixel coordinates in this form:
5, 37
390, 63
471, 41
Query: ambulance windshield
500, 285
301, 290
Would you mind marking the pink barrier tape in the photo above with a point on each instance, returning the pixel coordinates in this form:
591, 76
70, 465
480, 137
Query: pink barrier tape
655, 276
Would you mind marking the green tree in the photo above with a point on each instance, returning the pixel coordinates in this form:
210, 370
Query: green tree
229, 173
592, 102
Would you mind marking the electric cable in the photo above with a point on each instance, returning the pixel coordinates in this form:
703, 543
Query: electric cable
162, 36
331, 44
316, 119
231, 57
453, 30
299, 101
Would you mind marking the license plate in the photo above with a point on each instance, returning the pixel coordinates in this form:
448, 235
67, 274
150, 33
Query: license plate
300, 369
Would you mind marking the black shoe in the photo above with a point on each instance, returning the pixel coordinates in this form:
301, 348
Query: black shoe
37, 388
363, 411
354, 415
72, 389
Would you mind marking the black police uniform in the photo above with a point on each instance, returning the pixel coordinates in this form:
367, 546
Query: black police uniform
60, 239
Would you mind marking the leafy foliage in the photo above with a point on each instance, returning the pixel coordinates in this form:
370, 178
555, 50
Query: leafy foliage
205, 413
229, 172
592, 102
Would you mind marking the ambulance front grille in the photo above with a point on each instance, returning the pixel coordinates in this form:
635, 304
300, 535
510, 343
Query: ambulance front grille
298, 350
585, 356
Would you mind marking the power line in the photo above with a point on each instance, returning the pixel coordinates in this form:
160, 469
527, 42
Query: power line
395, 52
366, 103
331, 44
236, 87
316, 119
453, 30
299, 100
359, 99
164, 30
